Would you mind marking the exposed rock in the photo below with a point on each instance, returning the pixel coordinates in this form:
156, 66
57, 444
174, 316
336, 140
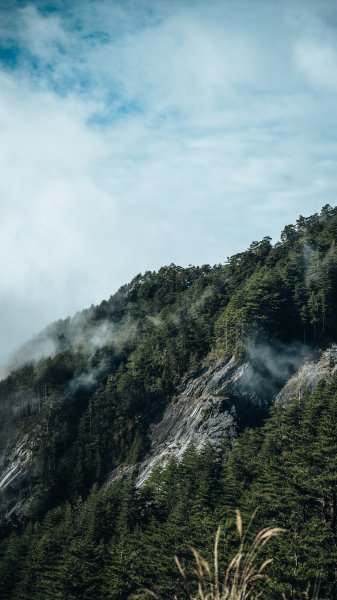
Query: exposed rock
309, 375
16, 464
121, 472
206, 407
199, 414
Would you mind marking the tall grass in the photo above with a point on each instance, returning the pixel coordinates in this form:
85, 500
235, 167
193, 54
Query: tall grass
240, 578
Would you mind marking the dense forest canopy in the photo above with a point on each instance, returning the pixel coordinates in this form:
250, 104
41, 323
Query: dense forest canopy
81, 399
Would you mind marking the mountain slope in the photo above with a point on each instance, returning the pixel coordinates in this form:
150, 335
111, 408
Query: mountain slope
180, 366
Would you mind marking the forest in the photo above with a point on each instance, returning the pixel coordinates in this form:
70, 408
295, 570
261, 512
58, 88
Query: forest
81, 399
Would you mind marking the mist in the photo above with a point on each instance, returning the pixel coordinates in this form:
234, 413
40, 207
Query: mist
270, 365
79, 334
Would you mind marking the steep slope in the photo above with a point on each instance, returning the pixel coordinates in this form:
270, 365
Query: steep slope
226, 397
176, 357
187, 393
120, 541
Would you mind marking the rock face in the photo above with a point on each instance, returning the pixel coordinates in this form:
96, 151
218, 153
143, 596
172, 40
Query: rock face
203, 411
197, 415
206, 408
309, 375
16, 463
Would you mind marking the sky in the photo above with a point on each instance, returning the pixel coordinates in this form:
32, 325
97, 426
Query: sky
137, 133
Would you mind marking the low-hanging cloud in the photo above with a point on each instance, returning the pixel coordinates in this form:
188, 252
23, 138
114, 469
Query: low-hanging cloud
270, 365
79, 334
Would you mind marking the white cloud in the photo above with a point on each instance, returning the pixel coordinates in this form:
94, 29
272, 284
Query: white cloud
192, 68
150, 136
47, 184
42, 37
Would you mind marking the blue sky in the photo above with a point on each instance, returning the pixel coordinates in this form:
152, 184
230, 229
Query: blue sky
138, 133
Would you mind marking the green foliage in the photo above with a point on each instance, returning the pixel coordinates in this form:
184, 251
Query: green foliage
86, 410
121, 540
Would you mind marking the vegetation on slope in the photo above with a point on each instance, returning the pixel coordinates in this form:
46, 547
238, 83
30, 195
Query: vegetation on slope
121, 540
87, 408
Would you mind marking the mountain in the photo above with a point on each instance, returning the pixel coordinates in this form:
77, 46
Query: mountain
130, 431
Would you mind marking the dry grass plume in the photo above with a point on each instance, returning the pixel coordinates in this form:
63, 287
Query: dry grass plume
238, 580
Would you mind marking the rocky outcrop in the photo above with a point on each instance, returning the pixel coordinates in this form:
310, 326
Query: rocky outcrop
16, 464
200, 413
207, 406
309, 375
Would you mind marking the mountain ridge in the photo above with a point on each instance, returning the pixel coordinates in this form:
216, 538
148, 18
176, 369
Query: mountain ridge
180, 370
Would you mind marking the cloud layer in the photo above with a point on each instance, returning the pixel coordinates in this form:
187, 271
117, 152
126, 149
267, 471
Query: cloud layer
135, 134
